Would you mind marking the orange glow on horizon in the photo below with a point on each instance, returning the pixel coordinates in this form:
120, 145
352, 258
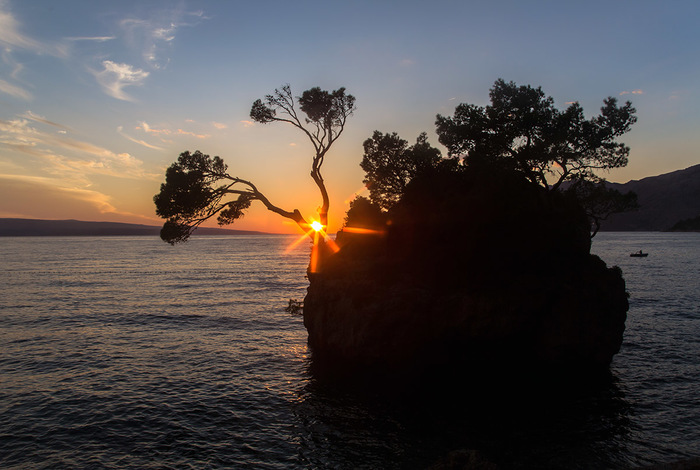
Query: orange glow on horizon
365, 231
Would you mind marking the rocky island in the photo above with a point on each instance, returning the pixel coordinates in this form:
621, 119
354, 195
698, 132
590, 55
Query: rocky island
478, 259
485, 271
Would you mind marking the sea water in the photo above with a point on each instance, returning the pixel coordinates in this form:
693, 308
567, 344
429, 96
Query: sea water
125, 352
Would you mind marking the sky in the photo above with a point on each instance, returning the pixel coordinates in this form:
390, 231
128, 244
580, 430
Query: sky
98, 98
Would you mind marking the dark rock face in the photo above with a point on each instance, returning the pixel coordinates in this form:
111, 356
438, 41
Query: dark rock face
477, 271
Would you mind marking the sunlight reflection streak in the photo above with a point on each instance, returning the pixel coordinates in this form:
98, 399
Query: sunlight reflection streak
318, 232
313, 265
363, 230
296, 242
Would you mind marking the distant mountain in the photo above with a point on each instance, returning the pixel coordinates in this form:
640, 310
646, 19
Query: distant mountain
664, 200
687, 225
69, 228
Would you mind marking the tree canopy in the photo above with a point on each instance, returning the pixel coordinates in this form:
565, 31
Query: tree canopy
521, 130
600, 202
198, 187
390, 164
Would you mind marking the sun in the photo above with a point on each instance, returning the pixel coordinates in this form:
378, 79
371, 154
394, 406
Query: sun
316, 225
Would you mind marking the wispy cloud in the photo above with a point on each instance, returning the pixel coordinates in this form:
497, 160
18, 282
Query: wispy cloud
43, 120
11, 36
14, 90
54, 188
12, 63
144, 126
115, 77
154, 36
121, 132
11, 39
633, 92
219, 125
92, 38
247, 123
70, 158
25, 196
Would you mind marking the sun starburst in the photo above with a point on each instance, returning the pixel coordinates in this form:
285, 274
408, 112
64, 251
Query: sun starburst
316, 231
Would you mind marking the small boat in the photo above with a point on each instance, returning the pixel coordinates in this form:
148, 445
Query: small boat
639, 254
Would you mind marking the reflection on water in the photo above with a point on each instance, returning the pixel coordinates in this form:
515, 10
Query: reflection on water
515, 424
126, 352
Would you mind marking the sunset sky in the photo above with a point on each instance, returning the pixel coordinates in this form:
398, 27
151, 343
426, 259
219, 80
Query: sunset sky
97, 98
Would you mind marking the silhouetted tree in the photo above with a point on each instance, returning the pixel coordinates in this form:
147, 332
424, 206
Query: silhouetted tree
599, 201
521, 130
390, 164
198, 187
326, 114
363, 213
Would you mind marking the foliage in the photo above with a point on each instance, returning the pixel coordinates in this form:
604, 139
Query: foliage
521, 130
600, 202
190, 195
363, 213
390, 164
198, 186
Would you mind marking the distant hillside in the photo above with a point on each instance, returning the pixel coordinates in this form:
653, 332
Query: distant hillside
664, 201
69, 228
687, 225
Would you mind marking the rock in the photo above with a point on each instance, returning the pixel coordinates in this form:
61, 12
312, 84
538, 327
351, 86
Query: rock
464, 459
475, 273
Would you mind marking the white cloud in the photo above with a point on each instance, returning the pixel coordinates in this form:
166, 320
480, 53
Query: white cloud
165, 34
634, 92
116, 76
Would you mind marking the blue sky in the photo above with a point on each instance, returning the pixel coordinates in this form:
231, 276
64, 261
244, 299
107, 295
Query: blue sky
97, 98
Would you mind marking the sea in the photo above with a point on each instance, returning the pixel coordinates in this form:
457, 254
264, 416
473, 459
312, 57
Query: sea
126, 352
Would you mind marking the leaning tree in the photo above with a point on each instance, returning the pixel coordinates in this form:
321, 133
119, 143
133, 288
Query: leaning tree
198, 187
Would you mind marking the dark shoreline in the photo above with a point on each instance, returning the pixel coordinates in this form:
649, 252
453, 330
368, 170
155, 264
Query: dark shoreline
71, 228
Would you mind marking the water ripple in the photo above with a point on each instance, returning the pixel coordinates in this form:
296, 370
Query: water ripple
128, 353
